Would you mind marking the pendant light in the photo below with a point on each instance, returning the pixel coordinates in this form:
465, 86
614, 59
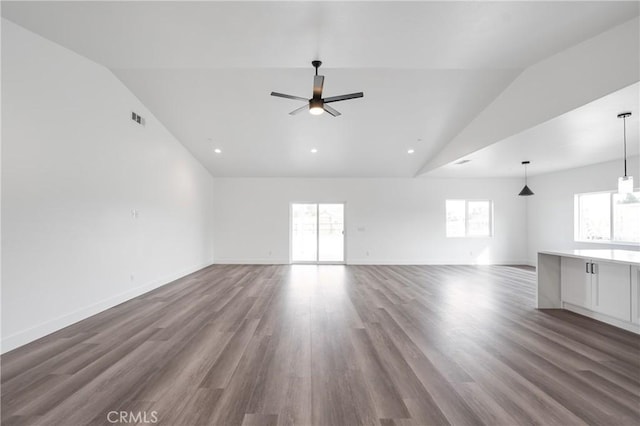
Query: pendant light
625, 183
525, 191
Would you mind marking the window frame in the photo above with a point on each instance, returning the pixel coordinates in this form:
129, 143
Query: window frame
466, 217
576, 220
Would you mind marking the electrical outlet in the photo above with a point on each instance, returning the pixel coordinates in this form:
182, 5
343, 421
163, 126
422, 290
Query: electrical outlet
367, 253
132, 277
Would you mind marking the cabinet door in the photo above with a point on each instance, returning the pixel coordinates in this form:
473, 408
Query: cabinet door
612, 290
575, 282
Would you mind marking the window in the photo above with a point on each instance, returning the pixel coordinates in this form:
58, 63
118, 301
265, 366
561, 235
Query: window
469, 218
607, 217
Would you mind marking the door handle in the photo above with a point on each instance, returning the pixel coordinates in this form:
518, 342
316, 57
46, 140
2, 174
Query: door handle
592, 269
586, 267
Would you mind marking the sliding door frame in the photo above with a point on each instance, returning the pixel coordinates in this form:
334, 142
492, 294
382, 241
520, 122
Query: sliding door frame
344, 234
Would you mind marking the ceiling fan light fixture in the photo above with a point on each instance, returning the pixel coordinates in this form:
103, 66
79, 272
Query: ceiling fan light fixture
316, 107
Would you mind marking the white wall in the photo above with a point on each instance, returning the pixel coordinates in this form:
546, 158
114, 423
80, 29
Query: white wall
550, 211
403, 219
74, 166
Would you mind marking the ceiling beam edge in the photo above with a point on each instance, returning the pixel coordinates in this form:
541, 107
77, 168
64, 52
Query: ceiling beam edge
560, 83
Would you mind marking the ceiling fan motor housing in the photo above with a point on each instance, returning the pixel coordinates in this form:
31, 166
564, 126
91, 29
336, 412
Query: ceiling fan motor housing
315, 103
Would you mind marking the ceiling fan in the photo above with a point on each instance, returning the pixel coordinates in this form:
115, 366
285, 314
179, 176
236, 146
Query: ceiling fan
317, 105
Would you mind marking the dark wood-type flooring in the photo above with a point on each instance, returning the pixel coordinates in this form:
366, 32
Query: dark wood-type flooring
331, 345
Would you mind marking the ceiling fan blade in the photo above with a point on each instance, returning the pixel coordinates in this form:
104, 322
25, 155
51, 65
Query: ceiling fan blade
282, 95
299, 110
318, 81
343, 97
331, 110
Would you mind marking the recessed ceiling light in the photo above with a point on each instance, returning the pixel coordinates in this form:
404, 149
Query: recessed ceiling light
217, 150
313, 150
410, 151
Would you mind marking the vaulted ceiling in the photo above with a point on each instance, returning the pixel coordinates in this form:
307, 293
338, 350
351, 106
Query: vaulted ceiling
445, 79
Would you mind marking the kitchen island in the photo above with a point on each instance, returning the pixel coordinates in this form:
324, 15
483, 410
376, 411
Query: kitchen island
600, 284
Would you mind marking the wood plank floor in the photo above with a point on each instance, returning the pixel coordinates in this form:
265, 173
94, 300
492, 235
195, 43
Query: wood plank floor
330, 345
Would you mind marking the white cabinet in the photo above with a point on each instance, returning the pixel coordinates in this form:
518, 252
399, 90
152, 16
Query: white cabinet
602, 287
611, 283
576, 281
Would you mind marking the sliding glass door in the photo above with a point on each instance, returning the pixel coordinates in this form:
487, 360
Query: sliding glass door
331, 233
304, 232
317, 233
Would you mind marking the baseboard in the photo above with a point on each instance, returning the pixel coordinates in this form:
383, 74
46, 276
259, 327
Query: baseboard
254, 261
28, 335
271, 261
629, 326
430, 262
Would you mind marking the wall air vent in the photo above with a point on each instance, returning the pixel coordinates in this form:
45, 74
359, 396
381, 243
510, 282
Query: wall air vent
138, 119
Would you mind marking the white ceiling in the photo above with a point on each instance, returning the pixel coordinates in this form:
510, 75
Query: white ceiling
587, 135
205, 69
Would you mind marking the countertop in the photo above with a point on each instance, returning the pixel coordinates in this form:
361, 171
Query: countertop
629, 257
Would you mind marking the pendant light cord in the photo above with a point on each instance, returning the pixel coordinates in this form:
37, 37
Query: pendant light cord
624, 124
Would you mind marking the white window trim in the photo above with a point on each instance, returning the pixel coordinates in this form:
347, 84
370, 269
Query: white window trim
576, 221
466, 218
